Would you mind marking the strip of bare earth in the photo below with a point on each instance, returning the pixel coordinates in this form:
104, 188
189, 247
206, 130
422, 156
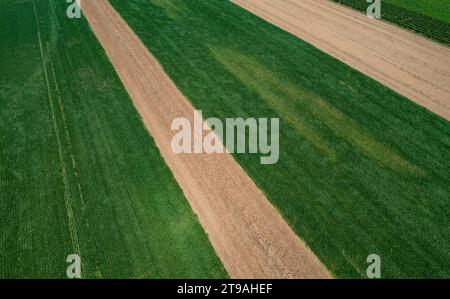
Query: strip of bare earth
248, 234
409, 64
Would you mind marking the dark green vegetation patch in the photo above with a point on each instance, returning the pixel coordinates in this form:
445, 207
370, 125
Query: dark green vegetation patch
362, 170
425, 24
78, 171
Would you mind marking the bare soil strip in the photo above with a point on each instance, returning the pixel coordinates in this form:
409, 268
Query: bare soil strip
248, 234
409, 64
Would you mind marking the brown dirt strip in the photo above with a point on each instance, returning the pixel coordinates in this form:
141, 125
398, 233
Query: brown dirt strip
248, 234
411, 65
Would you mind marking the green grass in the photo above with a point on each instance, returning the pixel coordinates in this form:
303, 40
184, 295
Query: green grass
78, 171
430, 18
362, 169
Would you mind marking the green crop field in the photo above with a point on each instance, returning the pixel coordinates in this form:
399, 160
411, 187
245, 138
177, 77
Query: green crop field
430, 18
78, 171
362, 169
438, 9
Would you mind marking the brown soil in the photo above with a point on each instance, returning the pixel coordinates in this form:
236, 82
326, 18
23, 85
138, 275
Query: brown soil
409, 64
248, 234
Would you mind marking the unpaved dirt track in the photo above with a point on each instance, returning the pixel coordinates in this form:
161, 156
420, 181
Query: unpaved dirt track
248, 234
411, 65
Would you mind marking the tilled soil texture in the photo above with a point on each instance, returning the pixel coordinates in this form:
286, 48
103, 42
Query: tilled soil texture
409, 64
248, 234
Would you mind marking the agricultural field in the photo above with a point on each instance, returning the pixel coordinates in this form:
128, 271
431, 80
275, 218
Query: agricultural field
79, 173
430, 18
90, 106
438, 9
362, 169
